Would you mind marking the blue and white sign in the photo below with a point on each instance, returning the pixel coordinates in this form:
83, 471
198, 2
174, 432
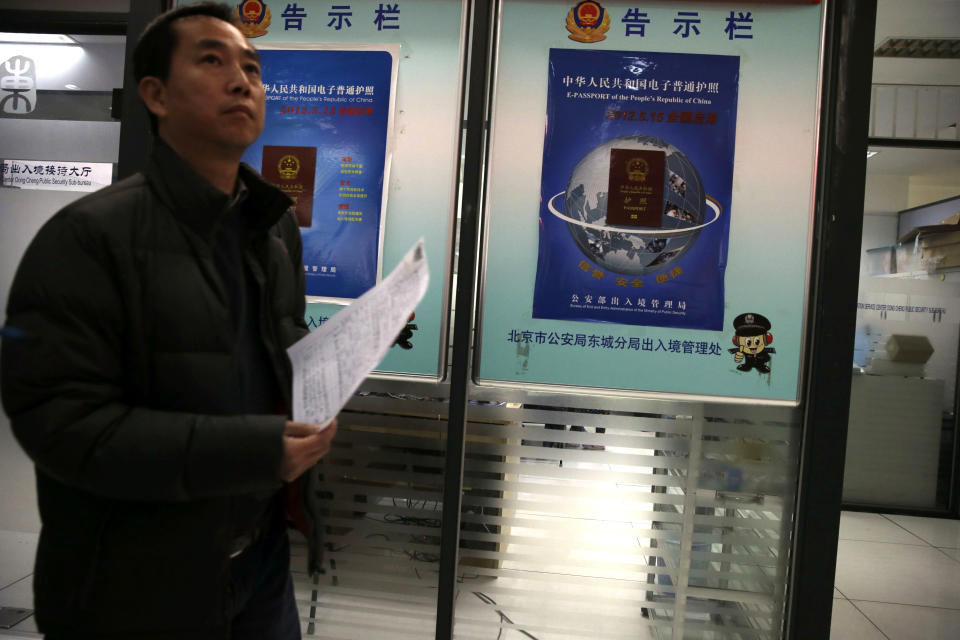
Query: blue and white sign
329, 114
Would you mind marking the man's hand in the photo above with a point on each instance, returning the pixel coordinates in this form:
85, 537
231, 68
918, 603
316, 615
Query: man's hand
303, 446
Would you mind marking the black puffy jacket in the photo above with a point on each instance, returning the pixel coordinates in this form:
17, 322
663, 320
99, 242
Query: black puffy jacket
116, 365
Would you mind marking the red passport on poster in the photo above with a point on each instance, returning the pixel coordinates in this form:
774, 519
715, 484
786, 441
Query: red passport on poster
292, 170
635, 188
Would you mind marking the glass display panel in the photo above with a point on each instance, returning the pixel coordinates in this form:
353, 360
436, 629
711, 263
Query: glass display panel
743, 258
422, 152
901, 430
611, 523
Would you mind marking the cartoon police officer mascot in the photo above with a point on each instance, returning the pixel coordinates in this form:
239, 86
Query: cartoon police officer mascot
750, 342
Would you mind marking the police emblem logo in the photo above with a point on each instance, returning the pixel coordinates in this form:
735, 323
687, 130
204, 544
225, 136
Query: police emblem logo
588, 21
254, 18
288, 167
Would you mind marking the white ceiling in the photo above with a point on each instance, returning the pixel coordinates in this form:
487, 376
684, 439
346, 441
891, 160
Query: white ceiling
933, 163
916, 19
108, 6
87, 66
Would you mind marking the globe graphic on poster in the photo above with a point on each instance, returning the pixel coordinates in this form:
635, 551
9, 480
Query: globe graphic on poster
634, 250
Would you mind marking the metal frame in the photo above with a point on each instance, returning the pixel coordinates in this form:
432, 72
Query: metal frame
913, 143
135, 137
78, 22
446, 322
953, 500
840, 183
476, 103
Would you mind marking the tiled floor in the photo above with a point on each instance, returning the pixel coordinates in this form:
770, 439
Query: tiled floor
16, 583
898, 578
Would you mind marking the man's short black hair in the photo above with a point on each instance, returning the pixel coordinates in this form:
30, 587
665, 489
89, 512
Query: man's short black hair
154, 50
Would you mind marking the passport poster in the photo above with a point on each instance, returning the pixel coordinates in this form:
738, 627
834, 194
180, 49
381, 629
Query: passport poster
635, 188
326, 144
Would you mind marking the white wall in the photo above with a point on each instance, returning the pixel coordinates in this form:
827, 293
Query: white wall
22, 212
879, 230
916, 19
96, 65
885, 194
926, 190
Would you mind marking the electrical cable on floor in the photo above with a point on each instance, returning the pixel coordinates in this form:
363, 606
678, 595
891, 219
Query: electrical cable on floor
389, 518
484, 598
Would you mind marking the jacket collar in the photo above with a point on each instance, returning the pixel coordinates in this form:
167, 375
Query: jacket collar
199, 204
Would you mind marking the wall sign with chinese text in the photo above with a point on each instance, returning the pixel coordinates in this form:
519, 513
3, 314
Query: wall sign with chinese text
326, 144
256, 19
668, 198
56, 175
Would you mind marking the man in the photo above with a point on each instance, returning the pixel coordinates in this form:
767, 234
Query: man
144, 368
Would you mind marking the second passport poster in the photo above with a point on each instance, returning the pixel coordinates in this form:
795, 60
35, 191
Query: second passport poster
326, 143
635, 188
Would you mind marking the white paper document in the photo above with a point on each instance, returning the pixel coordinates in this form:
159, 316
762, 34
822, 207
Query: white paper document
331, 362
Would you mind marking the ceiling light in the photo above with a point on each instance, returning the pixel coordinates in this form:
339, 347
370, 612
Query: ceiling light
37, 38
919, 48
74, 87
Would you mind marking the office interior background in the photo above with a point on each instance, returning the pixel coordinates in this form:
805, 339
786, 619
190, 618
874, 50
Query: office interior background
595, 513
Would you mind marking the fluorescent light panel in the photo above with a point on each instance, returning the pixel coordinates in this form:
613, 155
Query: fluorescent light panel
918, 48
36, 38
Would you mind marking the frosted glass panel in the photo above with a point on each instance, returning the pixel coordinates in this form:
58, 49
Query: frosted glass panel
616, 524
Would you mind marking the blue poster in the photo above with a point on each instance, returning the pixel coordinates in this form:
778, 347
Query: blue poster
635, 188
325, 144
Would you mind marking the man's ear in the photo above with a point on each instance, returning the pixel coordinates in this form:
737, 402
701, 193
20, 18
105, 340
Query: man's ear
154, 95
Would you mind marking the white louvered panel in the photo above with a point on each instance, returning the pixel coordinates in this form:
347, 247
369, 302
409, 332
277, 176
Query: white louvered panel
383, 483
921, 112
575, 523
600, 533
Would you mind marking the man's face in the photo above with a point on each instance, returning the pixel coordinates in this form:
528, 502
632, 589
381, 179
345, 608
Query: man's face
213, 95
